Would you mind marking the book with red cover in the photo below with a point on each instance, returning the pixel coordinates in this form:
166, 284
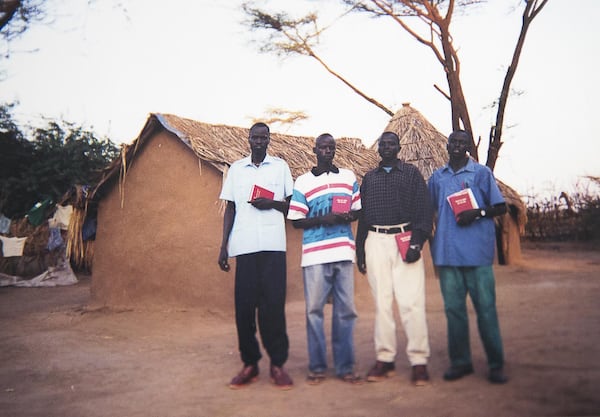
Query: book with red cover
341, 204
462, 200
403, 242
258, 191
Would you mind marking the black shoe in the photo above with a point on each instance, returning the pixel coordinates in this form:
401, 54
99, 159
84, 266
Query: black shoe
380, 371
420, 376
457, 372
497, 376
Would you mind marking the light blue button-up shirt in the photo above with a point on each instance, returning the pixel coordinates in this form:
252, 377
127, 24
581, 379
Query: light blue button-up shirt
257, 230
472, 245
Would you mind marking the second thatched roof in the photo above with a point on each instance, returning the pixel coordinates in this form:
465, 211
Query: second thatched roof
424, 146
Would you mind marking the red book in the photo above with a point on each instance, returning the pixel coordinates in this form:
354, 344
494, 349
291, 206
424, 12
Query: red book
403, 241
341, 204
258, 192
462, 200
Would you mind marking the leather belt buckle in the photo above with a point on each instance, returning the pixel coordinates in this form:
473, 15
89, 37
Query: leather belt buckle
390, 230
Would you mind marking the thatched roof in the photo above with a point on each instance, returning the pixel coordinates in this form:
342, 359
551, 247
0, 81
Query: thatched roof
420, 143
424, 146
221, 145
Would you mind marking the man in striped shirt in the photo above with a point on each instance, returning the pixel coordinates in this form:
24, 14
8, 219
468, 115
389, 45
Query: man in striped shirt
324, 203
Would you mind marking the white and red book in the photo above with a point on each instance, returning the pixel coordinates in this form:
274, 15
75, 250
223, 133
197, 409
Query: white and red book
258, 192
462, 200
341, 204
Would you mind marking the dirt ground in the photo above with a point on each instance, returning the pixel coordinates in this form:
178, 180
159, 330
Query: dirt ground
60, 356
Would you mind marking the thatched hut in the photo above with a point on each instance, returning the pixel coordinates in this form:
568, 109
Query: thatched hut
159, 218
424, 146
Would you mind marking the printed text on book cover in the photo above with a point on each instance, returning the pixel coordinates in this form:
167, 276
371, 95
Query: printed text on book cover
258, 192
462, 200
341, 204
403, 241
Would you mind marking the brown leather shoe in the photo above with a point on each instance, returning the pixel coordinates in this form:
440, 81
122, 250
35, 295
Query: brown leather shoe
420, 376
247, 375
280, 378
380, 371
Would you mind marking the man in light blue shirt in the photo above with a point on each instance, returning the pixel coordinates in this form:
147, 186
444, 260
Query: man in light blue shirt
254, 233
462, 249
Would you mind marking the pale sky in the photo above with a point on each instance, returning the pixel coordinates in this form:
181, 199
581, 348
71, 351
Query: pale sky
107, 69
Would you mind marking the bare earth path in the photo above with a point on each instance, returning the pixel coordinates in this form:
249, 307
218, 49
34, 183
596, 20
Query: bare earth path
59, 357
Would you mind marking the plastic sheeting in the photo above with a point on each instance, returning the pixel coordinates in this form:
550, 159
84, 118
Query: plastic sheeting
54, 276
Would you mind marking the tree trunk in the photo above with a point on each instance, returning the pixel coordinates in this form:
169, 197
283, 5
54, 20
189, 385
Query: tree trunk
495, 139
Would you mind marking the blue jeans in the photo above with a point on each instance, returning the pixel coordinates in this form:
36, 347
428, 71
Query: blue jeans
320, 281
478, 282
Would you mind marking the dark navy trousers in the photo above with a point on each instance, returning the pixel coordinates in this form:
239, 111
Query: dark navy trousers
260, 289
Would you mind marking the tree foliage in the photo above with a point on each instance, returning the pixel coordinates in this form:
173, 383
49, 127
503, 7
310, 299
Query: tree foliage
428, 22
58, 156
17, 15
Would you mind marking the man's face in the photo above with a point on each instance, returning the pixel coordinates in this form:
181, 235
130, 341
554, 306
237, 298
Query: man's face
259, 139
325, 149
458, 145
388, 147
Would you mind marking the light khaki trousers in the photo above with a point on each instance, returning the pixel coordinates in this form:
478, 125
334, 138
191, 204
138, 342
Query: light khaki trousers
390, 278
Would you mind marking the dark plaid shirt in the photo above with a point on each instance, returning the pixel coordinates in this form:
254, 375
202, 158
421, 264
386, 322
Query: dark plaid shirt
400, 196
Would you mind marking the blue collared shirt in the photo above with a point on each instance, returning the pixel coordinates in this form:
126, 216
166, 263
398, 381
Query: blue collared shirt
257, 230
454, 245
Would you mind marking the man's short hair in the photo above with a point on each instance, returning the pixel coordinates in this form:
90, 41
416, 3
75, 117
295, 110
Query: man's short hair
260, 124
324, 135
390, 133
460, 132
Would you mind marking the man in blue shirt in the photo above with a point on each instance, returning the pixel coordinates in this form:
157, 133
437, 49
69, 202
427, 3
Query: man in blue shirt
462, 249
254, 233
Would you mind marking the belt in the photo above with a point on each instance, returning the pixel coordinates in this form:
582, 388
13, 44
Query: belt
390, 230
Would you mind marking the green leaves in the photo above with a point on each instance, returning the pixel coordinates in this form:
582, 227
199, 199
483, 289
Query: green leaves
56, 157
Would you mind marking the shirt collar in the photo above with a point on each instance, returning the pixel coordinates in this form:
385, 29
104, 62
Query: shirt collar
469, 167
316, 171
398, 166
248, 160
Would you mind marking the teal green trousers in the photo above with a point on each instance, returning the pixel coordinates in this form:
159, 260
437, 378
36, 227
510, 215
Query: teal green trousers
478, 282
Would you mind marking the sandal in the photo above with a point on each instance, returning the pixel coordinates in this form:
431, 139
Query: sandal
352, 379
315, 378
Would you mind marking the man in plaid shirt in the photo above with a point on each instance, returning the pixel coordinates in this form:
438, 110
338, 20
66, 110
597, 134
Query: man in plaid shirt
395, 199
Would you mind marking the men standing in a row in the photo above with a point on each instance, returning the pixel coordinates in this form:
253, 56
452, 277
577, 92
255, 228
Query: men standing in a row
395, 200
395, 222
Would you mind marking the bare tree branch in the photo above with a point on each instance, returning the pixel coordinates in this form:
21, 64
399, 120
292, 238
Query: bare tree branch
435, 17
281, 116
532, 8
287, 36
